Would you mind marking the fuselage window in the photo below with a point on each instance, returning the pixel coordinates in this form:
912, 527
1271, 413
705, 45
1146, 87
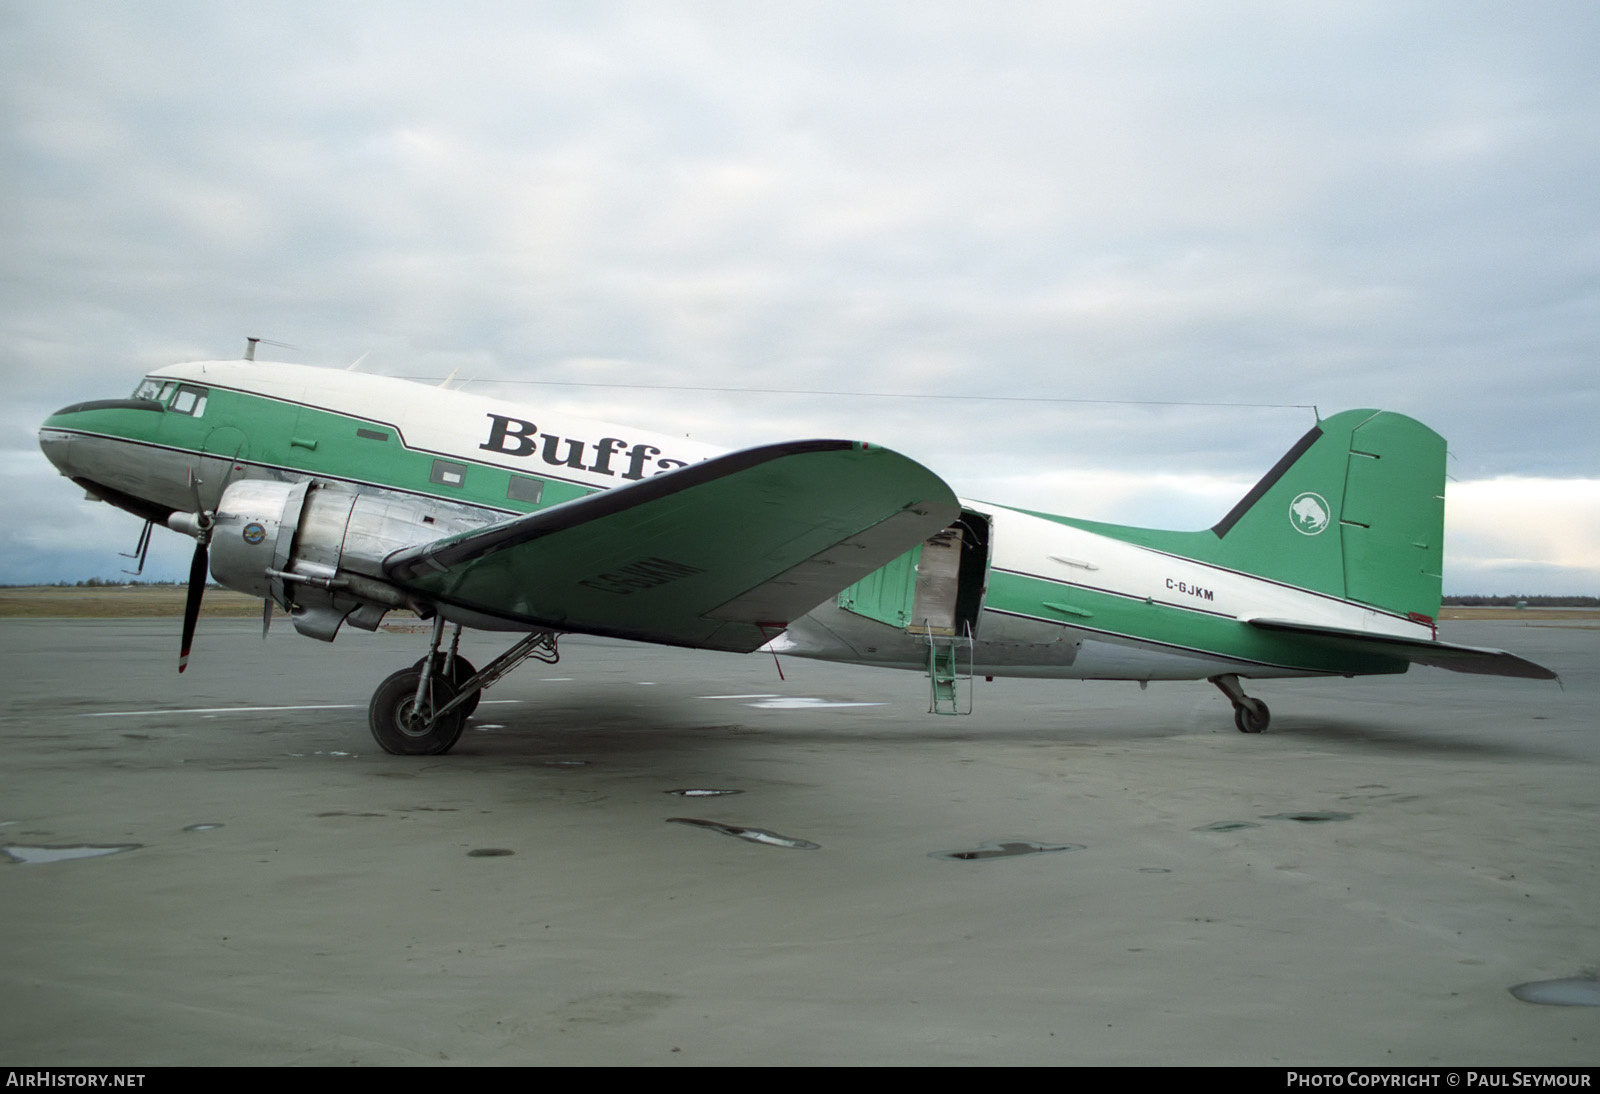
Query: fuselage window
189, 400
525, 489
446, 473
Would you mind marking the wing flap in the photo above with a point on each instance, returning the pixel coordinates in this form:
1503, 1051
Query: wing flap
718, 555
802, 587
1439, 655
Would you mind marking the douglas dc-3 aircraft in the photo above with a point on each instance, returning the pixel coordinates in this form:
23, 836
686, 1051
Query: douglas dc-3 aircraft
339, 496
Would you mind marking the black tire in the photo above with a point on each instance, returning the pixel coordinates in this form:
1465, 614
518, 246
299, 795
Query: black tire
395, 725
463, 672
1253, 718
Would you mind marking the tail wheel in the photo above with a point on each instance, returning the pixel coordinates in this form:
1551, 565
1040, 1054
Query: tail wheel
462, 672
402, 727
1252, 717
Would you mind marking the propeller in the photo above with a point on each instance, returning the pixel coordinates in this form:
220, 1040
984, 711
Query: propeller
197, 588
198, 525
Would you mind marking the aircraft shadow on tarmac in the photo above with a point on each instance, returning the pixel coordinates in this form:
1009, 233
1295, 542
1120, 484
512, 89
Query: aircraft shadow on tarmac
1374, 736
596, 727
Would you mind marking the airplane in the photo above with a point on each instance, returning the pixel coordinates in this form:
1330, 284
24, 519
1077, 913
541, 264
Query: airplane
338, 496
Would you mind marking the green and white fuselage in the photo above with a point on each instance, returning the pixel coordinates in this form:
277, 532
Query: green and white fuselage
371, 432
1066, 602
340, 495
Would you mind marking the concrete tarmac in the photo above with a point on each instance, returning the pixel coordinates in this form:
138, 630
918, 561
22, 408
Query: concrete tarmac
1362, 884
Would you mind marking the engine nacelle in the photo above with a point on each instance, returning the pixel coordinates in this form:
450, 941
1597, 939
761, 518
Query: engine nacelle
317, 550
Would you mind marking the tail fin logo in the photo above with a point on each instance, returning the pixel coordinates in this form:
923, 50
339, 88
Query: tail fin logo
1309, 513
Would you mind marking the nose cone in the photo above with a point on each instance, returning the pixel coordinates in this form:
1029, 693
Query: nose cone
56, 445
99, 416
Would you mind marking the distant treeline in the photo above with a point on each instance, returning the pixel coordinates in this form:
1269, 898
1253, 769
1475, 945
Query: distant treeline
1526, 601
90, 583
1453, 601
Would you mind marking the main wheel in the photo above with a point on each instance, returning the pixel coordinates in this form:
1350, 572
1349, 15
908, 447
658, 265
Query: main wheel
1252, 717
402, 728
462, 673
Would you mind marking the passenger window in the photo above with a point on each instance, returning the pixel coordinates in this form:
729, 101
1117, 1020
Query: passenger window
525, 489
446, 473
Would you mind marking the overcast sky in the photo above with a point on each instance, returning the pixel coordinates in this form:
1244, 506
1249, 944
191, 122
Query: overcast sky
1271, 206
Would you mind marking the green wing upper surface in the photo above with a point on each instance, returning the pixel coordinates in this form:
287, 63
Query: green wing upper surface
718, 555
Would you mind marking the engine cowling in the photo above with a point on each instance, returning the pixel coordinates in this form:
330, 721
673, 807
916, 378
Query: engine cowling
317, 549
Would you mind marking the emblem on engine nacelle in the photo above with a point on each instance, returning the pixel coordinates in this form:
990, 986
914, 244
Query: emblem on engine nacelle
254, 533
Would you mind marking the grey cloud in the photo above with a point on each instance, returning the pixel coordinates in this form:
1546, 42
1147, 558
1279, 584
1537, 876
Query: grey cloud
1340, 204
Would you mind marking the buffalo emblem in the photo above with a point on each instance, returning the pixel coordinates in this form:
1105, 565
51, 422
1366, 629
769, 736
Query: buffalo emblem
1309, 514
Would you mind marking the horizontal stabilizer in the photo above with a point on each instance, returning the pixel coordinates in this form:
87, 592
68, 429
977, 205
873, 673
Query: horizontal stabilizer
1439, 655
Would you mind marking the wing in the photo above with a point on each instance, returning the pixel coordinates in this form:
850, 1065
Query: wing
718, 555
1440, 655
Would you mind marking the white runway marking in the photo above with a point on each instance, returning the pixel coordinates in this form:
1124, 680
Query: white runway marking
254, 710
783, 702
799, 703
222, 710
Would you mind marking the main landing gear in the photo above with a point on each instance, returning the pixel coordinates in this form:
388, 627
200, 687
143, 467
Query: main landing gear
1249, 715
420, 711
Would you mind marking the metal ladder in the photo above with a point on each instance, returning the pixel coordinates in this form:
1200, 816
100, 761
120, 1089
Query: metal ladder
945, 675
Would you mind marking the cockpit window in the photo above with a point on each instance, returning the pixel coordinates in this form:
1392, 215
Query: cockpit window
190, 400
158, 390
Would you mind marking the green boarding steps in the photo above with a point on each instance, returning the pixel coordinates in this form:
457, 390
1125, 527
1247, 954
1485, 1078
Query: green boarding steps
945, 674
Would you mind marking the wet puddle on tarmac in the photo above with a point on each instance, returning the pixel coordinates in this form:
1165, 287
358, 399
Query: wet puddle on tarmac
22, 854
708, 793
490, 852
754, 835
1302, 817
1004, 848
1571, 991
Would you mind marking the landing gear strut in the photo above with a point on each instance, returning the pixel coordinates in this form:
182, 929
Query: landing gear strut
456, 669
1249, 715
420, 711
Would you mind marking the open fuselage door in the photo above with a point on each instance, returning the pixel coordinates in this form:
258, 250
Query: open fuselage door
933, 592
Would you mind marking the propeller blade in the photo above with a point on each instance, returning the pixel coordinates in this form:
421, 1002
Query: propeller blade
191, 605
266, 615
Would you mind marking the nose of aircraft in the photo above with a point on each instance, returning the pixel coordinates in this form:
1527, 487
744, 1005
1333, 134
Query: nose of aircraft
56, 434
56, 445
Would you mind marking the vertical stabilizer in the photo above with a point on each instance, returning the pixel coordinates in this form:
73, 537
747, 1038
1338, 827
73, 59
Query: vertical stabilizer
1355, 509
